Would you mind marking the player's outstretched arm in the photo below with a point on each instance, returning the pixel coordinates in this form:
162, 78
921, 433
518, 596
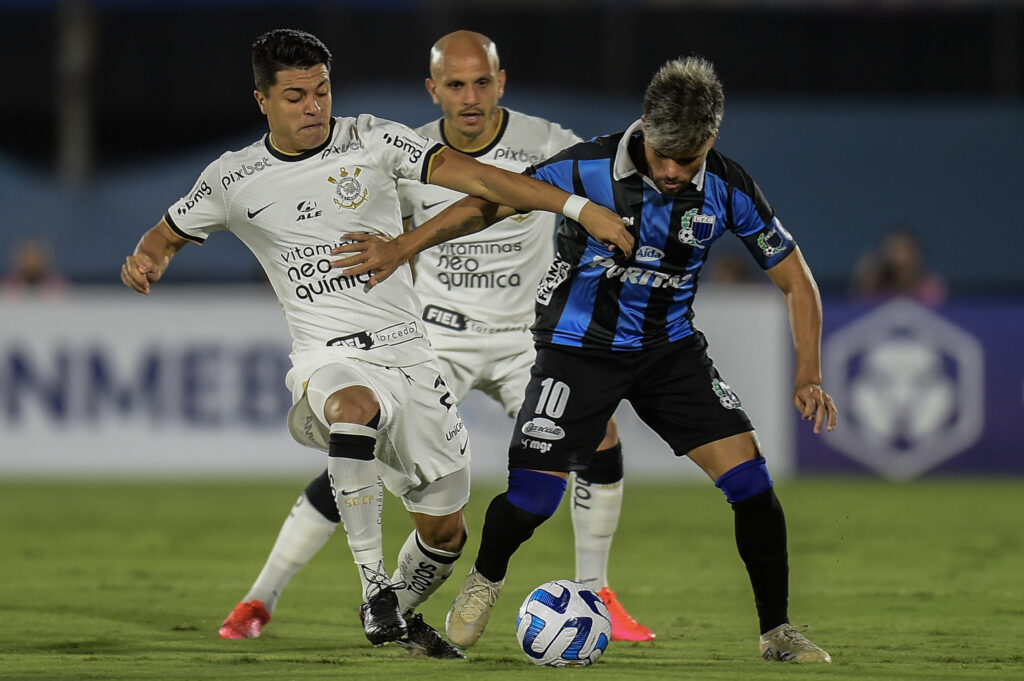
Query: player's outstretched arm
494, 194
151, 257
372, 253
803, 302
464, 174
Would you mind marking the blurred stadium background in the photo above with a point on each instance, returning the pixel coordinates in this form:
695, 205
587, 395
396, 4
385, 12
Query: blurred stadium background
855, 116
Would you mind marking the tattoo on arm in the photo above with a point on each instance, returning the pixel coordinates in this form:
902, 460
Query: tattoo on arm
470, 225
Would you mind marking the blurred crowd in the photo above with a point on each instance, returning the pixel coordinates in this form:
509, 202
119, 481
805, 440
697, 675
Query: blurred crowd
32, 271
897, 266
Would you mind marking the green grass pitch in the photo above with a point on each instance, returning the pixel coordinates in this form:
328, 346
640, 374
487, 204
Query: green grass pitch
131, 580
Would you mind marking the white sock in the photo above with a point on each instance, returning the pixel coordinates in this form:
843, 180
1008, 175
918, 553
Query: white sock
422, 569
302, 534
359, 494
595, 515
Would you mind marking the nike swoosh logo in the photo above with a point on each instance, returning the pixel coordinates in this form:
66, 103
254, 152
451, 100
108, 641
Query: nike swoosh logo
254, 213
428, 206
346, 492
462, 449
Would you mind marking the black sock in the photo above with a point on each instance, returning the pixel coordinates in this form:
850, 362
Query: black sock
761, 540
605, 468
505, 529
319, 494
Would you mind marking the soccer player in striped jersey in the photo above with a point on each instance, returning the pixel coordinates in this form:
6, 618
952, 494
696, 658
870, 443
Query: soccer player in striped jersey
477, 296
366, 384
614, 328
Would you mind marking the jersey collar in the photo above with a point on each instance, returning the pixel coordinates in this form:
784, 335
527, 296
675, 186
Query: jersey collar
487, 146
624, 167
280, 155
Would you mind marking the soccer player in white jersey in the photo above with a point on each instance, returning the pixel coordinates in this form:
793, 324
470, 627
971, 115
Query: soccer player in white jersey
367, 386
488, 346
478, 304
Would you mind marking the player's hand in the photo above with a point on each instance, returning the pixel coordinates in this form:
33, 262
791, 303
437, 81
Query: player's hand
814, 403
606, 227
138, 272
369, 253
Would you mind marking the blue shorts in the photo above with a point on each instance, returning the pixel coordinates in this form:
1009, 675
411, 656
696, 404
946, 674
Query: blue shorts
674, 388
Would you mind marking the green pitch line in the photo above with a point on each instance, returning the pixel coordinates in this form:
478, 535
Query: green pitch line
130, 581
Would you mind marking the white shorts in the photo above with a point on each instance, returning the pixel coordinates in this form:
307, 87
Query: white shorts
422, 438
496, 364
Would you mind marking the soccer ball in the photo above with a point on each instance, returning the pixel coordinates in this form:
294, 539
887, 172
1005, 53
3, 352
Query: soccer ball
563, 624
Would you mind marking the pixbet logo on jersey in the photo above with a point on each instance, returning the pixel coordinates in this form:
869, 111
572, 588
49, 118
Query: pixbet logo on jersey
244, 171
520, 155
911, 388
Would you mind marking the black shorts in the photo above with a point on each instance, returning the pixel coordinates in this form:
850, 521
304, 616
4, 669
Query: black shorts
675, 389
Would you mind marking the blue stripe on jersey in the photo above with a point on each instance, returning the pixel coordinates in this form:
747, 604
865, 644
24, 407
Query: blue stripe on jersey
745, 214
597, 187
597, 181
559, 174
579, 305
634, 296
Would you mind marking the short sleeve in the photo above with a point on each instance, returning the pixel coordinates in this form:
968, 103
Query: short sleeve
407, 152
201, 211
754, 221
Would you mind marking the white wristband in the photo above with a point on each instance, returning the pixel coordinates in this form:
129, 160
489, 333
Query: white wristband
574, 206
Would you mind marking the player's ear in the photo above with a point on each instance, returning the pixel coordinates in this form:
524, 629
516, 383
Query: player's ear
432, 90
261, 101
501, 83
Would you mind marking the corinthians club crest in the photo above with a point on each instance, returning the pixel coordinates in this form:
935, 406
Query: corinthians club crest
349, 191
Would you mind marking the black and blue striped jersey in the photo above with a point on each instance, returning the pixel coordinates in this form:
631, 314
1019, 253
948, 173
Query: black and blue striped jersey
589, 299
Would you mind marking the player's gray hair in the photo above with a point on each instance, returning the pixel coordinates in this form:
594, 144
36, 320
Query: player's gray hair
683, 106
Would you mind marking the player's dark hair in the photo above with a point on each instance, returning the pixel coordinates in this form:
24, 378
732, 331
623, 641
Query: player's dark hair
683, 106
285, 48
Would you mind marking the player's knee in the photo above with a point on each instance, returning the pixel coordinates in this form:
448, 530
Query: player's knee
746, 480
535, 492
449, 534
354, 404
611, 435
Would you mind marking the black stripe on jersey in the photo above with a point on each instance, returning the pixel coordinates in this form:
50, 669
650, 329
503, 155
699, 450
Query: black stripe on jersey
493, 143
183, 235
662, 299
605, 315
428, 163
595, 149
628, 197
738, 179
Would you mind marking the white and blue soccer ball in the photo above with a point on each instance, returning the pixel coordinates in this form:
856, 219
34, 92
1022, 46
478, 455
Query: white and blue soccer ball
563, 624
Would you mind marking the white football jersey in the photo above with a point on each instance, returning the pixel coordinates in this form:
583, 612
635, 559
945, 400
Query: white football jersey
489, 277
292, 210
